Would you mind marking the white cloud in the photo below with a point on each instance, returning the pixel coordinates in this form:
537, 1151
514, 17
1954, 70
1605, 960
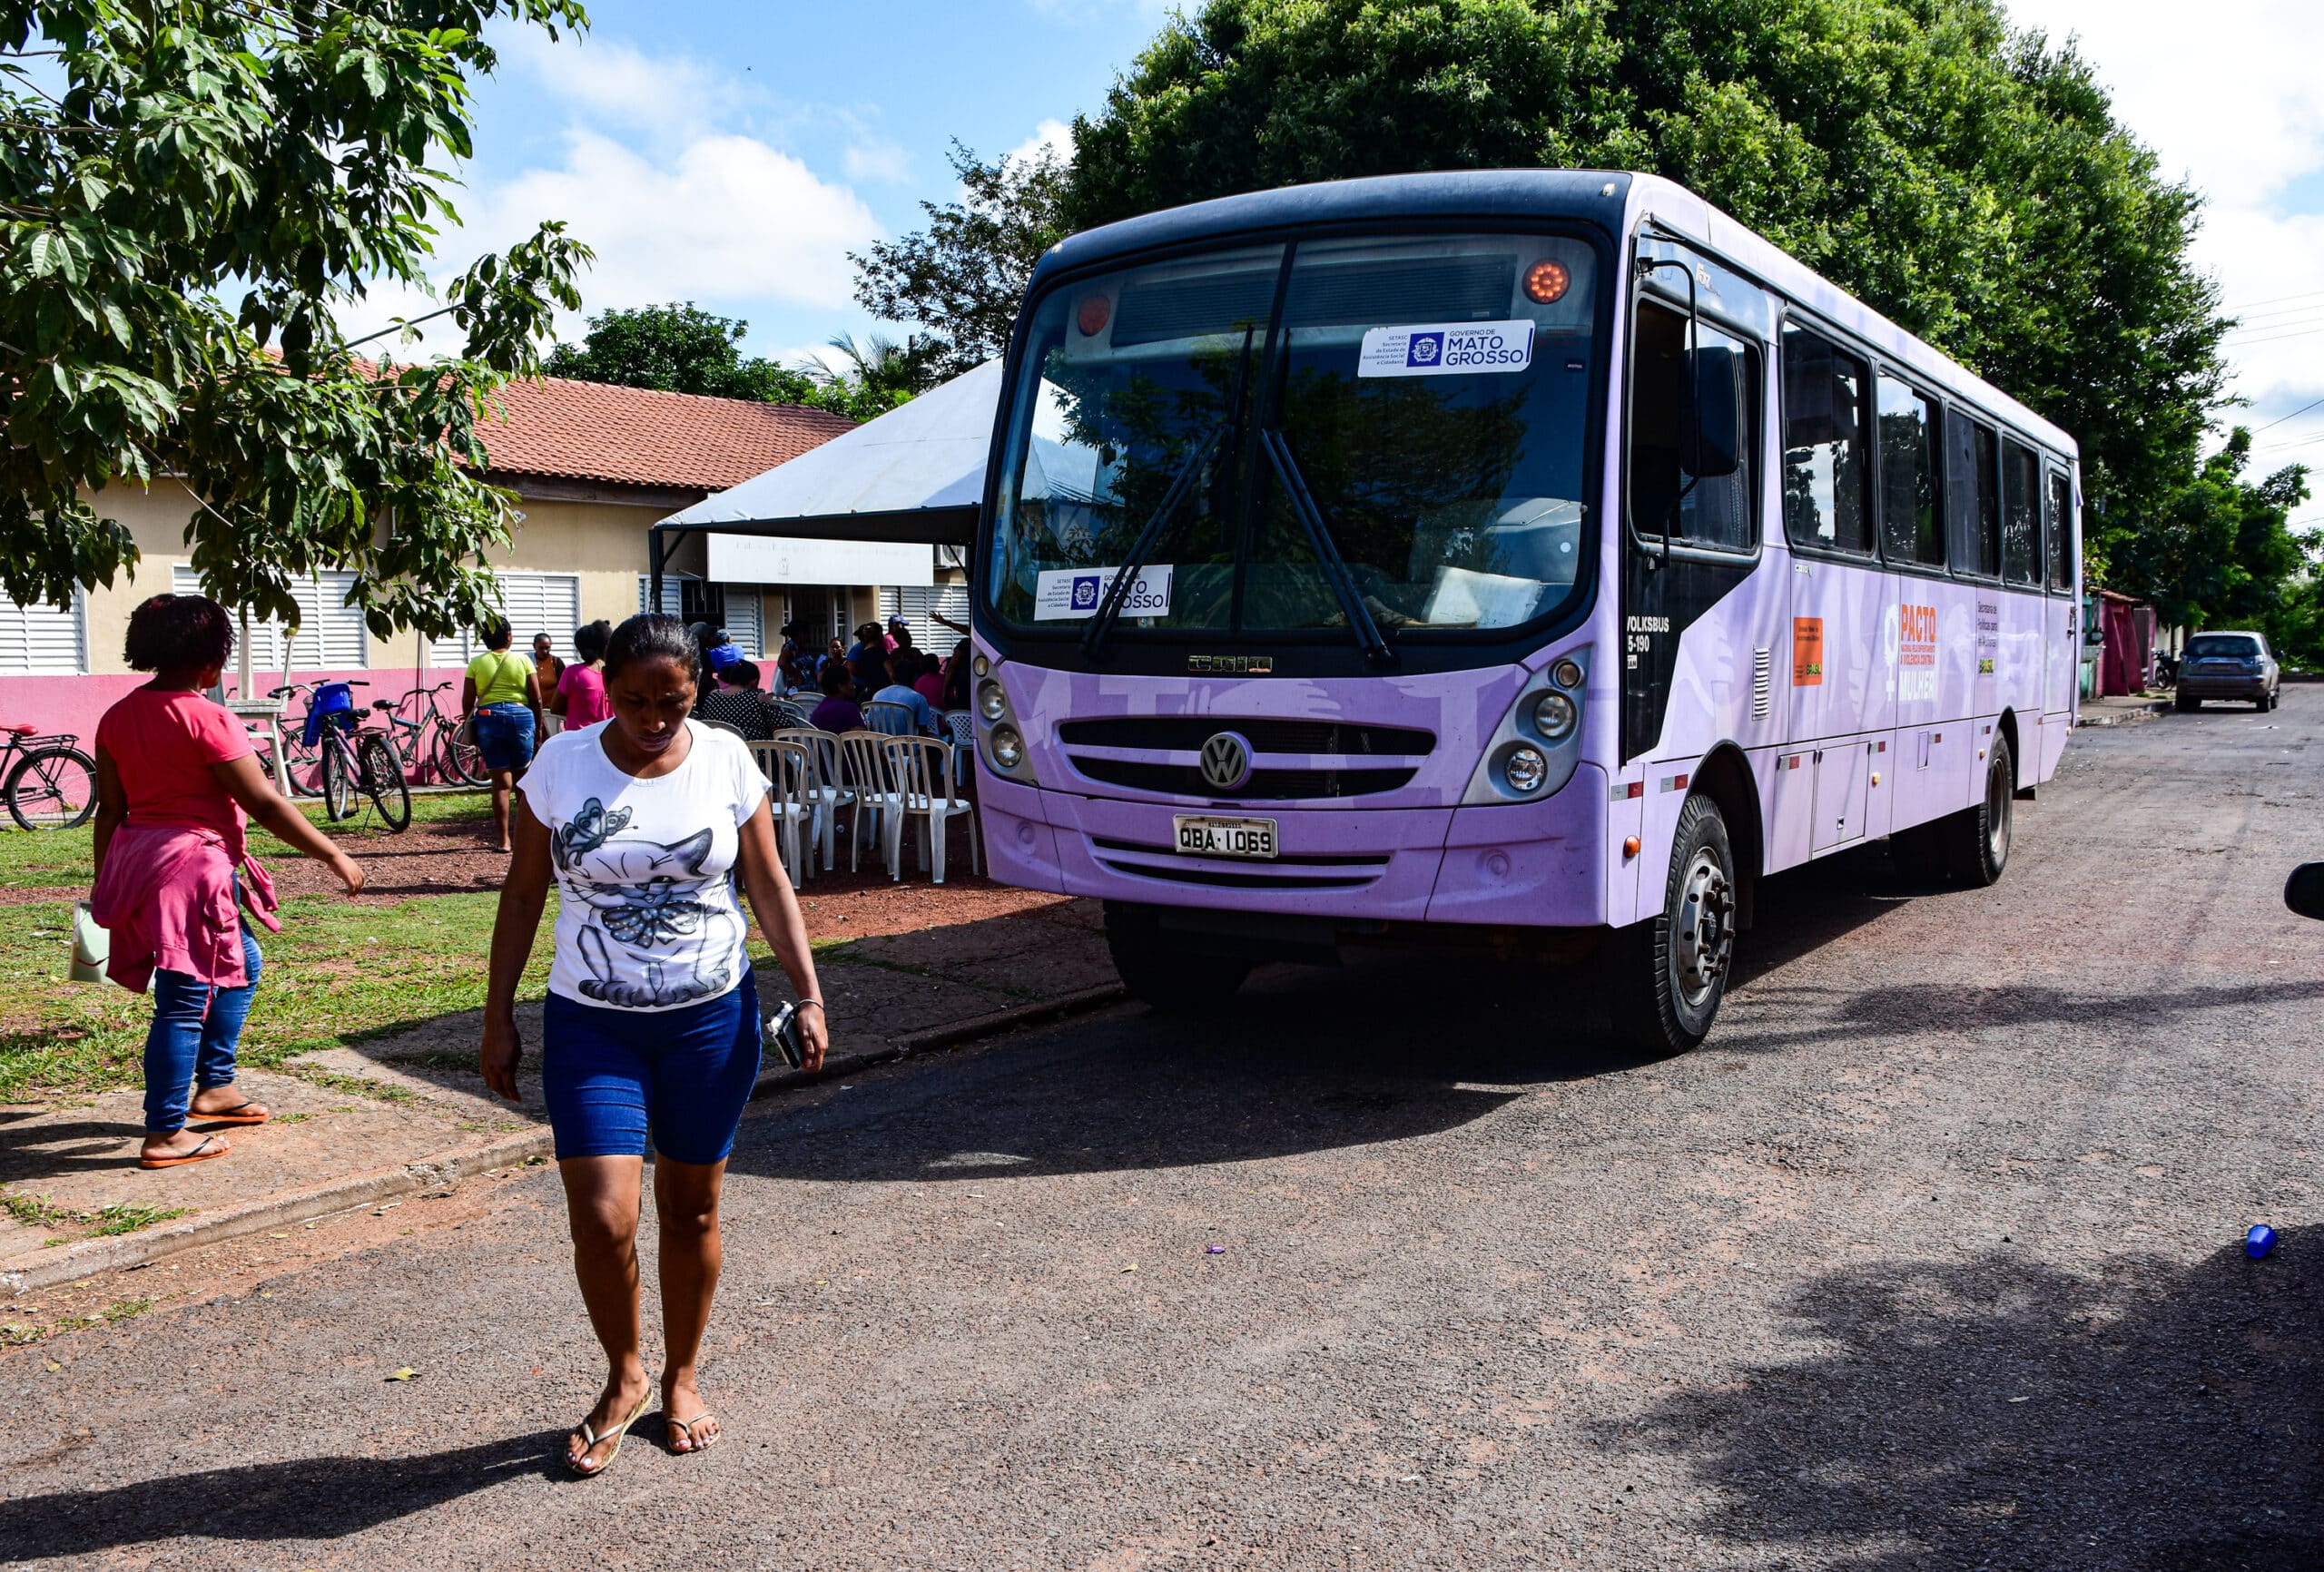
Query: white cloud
615, 82
875, 159
2230, 99
726, 217
1052, 134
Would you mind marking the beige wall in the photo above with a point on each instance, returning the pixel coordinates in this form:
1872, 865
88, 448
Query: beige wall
603, 543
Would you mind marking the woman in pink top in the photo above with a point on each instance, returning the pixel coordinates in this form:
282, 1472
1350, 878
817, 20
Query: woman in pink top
581, 691
175, 775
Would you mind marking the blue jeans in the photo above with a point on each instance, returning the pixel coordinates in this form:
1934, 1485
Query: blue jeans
504, 735
195, 1031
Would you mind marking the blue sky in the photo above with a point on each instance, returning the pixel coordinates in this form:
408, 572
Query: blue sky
734, 154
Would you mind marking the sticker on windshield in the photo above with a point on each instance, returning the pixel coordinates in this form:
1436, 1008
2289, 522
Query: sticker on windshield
1077, 592
1446, 348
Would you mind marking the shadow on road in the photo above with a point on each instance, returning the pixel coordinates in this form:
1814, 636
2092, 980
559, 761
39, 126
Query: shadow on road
2001, 1412
304, 1499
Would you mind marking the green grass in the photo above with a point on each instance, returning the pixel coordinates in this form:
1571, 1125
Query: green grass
46, 859
336, 974
121, 1217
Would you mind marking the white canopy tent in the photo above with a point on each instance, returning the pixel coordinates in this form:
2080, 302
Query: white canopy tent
914, 478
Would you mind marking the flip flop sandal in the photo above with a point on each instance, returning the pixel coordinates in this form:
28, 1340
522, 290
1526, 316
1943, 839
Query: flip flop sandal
696, 1444
591, 1441
233, 1115
201, 1153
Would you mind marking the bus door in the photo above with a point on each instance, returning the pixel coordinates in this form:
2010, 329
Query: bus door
1840, 602
1696, 392
2062, 632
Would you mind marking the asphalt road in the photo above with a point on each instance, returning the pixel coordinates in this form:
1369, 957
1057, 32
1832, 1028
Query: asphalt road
1930, 1258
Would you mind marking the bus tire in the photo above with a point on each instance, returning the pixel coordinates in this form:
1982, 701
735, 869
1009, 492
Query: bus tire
1671, 970
1976, 840
1163, 975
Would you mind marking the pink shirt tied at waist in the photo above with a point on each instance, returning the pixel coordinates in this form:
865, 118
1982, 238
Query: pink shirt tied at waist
166, 894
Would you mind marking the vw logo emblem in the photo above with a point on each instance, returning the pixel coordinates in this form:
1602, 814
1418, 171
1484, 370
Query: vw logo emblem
1226, 761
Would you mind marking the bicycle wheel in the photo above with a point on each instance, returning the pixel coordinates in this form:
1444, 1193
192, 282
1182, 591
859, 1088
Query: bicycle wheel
339, 777
383, 781
466, 760
53, 789
302, 767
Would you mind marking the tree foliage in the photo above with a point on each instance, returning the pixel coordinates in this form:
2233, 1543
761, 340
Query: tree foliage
682, 349
156, 159
1970, 182
963, 277
2219, 553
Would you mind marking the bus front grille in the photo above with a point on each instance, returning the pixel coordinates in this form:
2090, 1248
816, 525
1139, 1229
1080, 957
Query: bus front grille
1187, 733
1264, 784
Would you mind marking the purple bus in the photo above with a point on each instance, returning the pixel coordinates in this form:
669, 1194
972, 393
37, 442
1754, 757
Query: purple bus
1537, 556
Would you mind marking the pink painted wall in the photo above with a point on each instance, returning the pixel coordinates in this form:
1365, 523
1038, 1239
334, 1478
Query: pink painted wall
73, 706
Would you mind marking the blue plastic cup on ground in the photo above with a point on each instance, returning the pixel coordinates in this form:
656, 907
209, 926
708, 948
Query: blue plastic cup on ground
2259, 1241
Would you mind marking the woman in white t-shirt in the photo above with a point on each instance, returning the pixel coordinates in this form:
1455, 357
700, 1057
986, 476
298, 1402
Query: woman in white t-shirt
651, 1025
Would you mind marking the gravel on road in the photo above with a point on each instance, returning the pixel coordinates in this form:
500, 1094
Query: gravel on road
1929, 1258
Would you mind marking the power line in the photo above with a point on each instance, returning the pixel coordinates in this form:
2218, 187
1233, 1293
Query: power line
2277, 300
2303, 410
2288, 319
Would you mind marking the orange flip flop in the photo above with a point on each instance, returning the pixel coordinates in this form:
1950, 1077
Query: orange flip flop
233, 1115
201, 1153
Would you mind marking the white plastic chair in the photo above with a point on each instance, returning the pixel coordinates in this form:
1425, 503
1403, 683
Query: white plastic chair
891, 719
921, 768
872, 780
961, 727
827, 790
789, 767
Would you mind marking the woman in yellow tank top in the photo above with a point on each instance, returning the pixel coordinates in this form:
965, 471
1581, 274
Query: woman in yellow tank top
502, 699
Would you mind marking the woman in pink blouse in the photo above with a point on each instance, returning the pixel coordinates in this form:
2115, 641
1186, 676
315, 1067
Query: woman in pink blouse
581, 691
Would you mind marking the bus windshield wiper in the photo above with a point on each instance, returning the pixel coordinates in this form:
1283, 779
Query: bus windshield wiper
1149, 541
1327, 554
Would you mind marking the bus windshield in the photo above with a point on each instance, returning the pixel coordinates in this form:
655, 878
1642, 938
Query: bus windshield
1279, 434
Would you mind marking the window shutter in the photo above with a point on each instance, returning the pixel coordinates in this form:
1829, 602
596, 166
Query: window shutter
670, 601
742, 621
534, 603
920, 604
42, 640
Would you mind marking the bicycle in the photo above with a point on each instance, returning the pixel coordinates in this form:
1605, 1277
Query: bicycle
432, 738
54, 784
354, 757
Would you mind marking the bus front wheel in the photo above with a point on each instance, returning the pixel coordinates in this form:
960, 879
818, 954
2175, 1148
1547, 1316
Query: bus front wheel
1976, 840
1670, 971
1160, 972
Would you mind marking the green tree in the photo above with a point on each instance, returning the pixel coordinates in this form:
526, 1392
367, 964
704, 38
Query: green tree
961, 278
1970, 182
2218, 553
682, 349
189, 194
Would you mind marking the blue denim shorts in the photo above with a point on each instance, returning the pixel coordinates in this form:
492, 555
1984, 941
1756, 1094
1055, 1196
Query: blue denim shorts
504, 735
611, 1077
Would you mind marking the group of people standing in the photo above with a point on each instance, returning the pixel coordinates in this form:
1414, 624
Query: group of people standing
655, 828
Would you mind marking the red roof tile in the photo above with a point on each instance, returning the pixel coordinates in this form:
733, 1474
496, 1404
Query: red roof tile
636, 437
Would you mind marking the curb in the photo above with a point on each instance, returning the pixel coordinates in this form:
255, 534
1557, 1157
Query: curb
2123, 715
443, 1169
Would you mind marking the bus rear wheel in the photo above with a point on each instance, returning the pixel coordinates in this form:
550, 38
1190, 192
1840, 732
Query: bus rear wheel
1670, 971
1162, 973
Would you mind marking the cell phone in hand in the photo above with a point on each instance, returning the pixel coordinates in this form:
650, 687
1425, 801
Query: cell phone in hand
782, 1036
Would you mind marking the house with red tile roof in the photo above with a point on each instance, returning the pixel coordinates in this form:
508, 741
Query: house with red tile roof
594, 465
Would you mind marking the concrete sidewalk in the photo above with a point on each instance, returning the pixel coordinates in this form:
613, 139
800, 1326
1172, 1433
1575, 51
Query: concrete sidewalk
2118, 710
407, 1113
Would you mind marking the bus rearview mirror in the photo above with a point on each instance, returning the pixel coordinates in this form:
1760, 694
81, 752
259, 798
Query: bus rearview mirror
1718, 447
2304, 890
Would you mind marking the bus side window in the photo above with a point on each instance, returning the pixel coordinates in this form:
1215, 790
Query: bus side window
2060, 532
1973, 453
2021, 520
1711, 510
1826, 469
1911, 528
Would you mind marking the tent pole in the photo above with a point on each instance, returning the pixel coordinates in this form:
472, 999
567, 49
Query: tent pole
655, 554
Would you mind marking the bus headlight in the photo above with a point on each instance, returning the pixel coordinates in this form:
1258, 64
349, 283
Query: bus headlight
1554, 714
991, 702
1536, 746
1007, 747
1000, 740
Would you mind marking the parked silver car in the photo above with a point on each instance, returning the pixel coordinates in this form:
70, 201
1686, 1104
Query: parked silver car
2227, 665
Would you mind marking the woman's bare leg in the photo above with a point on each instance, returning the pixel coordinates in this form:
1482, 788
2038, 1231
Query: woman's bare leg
502, 781
685, 1198
601, 1196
